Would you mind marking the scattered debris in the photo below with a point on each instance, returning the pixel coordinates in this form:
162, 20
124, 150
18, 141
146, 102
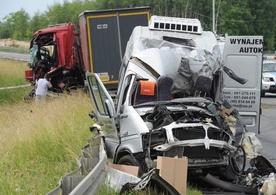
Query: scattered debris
150, 181
269, 185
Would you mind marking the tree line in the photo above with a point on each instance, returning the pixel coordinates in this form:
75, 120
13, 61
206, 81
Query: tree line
232, 17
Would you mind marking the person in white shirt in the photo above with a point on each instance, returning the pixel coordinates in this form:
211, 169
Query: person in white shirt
42, 86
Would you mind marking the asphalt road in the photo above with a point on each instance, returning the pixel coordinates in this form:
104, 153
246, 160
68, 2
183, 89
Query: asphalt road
268, 127
15, 56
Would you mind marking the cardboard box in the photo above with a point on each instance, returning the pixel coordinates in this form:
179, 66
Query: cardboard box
174, 171
119, 175
133, 170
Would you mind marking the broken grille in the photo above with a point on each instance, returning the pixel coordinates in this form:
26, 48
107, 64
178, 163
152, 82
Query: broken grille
191, 133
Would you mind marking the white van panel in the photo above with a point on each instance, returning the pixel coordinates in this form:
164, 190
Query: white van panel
243, 54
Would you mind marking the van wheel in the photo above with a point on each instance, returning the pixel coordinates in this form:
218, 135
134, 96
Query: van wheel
128, 160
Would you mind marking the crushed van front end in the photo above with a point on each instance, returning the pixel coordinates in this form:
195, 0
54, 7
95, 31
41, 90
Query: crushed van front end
189, 129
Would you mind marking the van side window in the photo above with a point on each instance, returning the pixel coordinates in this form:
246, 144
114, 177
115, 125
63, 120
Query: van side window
126, 87
98, 95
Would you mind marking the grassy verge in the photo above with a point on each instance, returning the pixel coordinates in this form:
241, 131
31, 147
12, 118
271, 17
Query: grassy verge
13, 74
40, 143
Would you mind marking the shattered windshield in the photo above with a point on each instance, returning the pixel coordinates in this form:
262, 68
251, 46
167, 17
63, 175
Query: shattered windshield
33, 52
36, 54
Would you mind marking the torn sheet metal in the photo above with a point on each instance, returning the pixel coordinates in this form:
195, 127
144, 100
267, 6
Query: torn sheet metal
260, 175
269, 185
165, 57
150, 181
252, 145
116, 179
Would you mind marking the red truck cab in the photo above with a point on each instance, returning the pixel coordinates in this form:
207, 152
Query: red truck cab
55, 51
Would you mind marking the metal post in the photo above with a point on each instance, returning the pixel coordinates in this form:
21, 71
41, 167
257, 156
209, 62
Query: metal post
214, 16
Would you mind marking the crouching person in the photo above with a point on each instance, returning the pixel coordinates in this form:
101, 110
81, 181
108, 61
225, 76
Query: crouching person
42, 86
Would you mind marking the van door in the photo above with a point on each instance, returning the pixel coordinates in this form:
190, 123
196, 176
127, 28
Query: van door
243, 55
104, 111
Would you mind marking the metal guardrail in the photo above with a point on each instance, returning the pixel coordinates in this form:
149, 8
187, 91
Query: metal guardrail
90, 175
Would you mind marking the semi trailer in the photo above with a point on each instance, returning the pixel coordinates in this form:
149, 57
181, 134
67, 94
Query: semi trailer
65, 55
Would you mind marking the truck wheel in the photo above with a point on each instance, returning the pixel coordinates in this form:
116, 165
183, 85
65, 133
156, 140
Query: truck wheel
262, 94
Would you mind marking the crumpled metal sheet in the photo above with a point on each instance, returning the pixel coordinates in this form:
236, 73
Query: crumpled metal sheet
201, 51
150, 181
269, 185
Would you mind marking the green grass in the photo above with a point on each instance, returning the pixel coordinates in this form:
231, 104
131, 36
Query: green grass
13, 74
104, 190
40, 143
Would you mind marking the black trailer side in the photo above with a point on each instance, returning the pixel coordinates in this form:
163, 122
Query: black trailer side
104, 35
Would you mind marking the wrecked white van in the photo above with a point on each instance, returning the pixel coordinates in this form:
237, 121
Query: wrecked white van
170, 102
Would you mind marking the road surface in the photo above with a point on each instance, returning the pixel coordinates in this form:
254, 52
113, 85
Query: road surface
268, 127
15, 56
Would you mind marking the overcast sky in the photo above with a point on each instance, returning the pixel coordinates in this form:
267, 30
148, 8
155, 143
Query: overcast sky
30, 6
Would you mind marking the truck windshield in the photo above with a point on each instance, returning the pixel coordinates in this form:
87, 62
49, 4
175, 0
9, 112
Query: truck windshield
38, 53
33, 52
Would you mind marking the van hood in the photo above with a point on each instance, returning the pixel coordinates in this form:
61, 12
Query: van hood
269, 74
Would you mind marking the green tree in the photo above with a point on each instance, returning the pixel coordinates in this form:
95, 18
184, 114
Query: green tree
56, 14
5, 30
233, 17
201, 10
68, 12
236, 18
38, 21
18, 23
264, 24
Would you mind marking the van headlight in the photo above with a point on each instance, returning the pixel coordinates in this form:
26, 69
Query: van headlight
154, 138
149, 125
266, 79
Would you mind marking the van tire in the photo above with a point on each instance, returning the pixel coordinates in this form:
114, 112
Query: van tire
129, 160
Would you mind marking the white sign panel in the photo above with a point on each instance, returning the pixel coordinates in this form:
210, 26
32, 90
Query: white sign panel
243, 55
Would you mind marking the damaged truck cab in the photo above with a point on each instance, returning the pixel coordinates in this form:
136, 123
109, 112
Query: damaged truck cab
170, 101
56, 52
